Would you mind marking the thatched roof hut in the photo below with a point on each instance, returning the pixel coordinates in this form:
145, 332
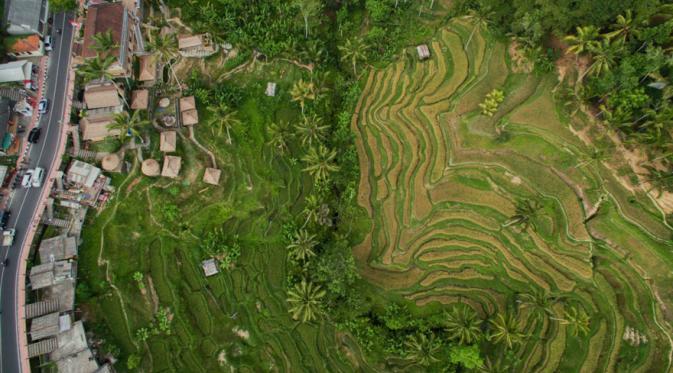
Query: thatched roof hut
212, 176
140, 99
171, 166
150, 167
168, 141
111, 162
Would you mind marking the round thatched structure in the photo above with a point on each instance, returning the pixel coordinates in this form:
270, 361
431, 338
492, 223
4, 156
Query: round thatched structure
150, 167
164, 102
111, 162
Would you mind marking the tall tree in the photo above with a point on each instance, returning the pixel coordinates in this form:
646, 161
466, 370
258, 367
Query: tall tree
103, 43
481, 18
320, 162
279, 134
525, 211
222, 117
463, 325
165, 48
604, 56
308, 9
421, 349
577, 320
305, 300
585, 38
623, 28
311, 130
354, 50
96, 68
301, 92
539, 301
311, 209
506, 330
302, 245
128, 125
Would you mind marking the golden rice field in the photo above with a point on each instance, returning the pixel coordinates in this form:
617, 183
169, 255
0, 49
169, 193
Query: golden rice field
440, 181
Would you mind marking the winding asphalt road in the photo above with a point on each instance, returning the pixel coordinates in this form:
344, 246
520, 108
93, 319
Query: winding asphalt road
25, 202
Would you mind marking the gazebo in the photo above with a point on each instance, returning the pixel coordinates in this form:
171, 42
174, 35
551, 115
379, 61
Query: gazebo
212, 176
171, 166
150, 167
167, 141
140, 99
111, 162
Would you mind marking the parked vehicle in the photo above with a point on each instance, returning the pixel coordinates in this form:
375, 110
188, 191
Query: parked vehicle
4, 219
47, 43
8, 238
27, 180
34, 135
38, 176
43, 106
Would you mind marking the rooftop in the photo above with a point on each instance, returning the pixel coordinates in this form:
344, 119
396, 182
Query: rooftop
167, 141
57, 248
187, 103
82, 173
148, 69
212, 176
150, 167
73, 354
209, 267
96, 129
171, 166
102, 18
189, 41
48, 274
24, 13
15, 71
140, 99
48, 325
100, 95
62, 292
23, 44
190, 117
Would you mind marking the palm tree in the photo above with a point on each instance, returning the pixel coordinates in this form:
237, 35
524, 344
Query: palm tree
278, 136
311, 130
305, 301
480, 18
127, 125
603, 58
354, 50
222, 117
302, 245
308, 9
320, 162
525, 211
97, 68
463, 325
422, 350
585, 38
506, 330
312, 209
301, 92
495, 366
539, 301
103, 42
165, 47
624, 27
577, 320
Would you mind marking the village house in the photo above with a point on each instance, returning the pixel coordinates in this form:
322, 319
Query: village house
57, 248
196, 45
209, 267
16, 71
103, 100
167, 141
140, 99
212, 176
113, 18
85, 184
51, 273
171, 166
49, 325
147, 69
188, 113
25, 46
25, 17
73, 353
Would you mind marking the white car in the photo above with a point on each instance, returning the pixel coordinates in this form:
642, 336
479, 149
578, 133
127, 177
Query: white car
27, 180
43, 106
47, 43
38, 176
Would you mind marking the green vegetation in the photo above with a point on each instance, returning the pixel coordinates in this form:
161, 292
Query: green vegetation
382, 213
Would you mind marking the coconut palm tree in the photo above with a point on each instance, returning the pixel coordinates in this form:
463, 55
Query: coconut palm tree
279, 134
165, 47
463, 325
480, 18
506, 330
96, 68
585, 38
308, 9
302, 92
604, 54
623, 29
311, 209
354, 51
496, 366
222, 117
128, 125
320, 162
421, 349
577, 320
539, 302
305, 301
525, 211
103, 42
302, 245
311, 130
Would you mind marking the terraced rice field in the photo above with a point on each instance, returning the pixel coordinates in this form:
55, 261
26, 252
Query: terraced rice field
440, 185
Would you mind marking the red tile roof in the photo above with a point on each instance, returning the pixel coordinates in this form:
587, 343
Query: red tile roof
27, 44
103, 18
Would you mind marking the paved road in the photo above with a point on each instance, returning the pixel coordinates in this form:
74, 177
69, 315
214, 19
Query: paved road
24, 204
